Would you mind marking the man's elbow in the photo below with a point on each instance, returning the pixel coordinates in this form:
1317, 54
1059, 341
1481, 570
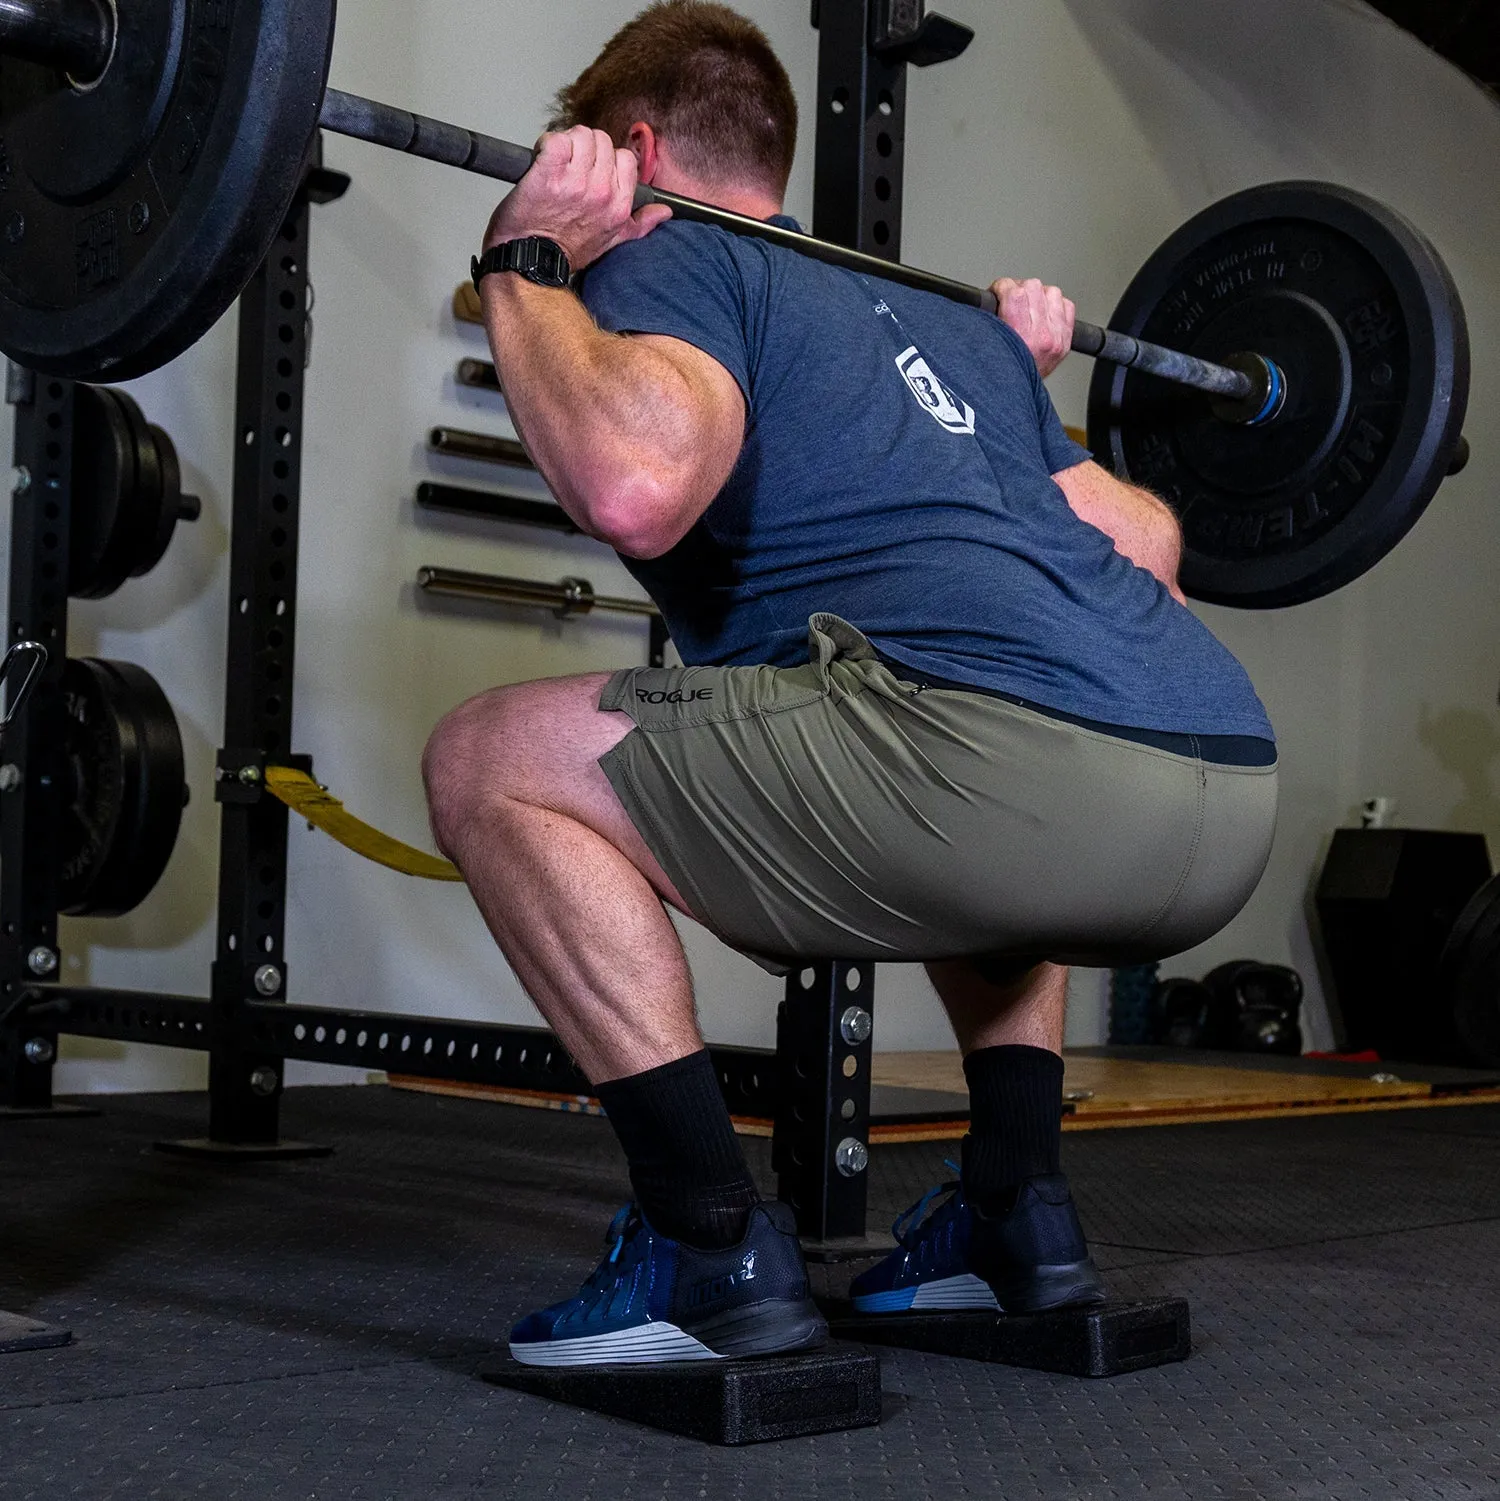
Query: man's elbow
1168, 533
1166, 544
645, 516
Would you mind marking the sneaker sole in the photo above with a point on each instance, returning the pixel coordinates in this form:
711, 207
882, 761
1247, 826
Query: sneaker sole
757, 1330
942, 1294
643, 1344
1073, 1284
780, 1328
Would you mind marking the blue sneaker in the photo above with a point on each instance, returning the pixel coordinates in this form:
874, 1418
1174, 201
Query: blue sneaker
652, 1299
1028, 1260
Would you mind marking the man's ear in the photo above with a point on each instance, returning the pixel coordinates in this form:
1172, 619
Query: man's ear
642, 141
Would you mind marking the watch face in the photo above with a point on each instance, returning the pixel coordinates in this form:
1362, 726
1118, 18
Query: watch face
549, 266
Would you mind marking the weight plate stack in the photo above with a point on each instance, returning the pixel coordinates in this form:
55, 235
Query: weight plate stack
124, 789
127, 493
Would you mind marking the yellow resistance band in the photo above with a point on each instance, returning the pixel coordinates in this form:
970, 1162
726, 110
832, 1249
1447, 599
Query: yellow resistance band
303, 796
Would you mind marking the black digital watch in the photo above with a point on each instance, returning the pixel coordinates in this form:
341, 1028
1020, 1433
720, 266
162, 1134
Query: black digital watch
537, 259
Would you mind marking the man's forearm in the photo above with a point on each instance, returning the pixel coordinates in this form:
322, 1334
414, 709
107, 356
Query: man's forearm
602, 416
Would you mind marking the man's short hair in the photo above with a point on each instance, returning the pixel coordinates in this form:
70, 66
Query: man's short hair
706, 80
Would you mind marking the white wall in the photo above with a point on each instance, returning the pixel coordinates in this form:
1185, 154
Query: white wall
1067, 143
1073, 136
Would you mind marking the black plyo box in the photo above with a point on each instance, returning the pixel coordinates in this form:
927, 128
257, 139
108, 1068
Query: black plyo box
1107, 1340
20, 1333
719, 1401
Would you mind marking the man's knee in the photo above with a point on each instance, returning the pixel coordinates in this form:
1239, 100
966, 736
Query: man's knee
527, 743
461, 764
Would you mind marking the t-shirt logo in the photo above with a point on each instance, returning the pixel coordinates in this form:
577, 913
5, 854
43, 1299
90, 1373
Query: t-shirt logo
954, 414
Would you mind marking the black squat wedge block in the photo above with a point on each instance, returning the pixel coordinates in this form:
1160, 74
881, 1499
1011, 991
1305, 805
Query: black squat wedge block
20, 1333
719, 1401
1107, 1340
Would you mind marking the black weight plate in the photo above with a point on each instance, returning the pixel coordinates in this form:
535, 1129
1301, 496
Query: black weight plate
147, 458
104, 479
1484, 903
135, 512
124, 793
1361, 314
133, 214
1469, 974
166, 503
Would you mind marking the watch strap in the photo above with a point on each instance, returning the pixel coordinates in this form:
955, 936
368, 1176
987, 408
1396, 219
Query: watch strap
535, 257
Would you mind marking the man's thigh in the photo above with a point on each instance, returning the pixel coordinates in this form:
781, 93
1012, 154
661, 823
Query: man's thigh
540, 743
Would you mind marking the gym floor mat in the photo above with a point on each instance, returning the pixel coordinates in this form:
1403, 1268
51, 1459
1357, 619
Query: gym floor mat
320, 1328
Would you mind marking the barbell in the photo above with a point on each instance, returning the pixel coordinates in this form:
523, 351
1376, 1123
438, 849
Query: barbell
573, 596
89, 44
151, 158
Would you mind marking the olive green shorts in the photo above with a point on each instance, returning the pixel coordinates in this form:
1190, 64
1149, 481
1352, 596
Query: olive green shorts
837, 811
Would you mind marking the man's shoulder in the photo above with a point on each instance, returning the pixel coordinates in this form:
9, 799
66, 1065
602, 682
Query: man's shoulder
678, 263
676, 240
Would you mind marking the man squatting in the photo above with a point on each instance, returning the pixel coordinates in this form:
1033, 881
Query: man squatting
943, 701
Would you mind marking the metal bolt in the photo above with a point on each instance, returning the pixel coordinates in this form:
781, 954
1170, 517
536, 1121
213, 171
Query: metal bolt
855, 1026
10, 777
250, 775
41, 960
852, 1157
268, 979
264, 1080
20, 480
140, 216
40, 1050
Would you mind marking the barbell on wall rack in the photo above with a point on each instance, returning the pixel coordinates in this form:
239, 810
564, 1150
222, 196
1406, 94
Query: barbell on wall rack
495, 506
477, 375
152, 155
460, 444
570, 597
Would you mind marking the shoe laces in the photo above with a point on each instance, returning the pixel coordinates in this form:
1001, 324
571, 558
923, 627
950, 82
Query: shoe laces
628, 1219
607, 1276
909, 1226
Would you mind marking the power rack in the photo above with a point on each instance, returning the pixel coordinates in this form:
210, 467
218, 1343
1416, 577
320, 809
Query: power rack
815, 1085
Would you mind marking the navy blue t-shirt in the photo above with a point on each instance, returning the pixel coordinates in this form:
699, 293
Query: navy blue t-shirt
897, 471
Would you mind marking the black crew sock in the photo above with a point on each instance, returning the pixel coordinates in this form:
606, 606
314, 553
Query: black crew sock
686, 1165
1015, 1123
